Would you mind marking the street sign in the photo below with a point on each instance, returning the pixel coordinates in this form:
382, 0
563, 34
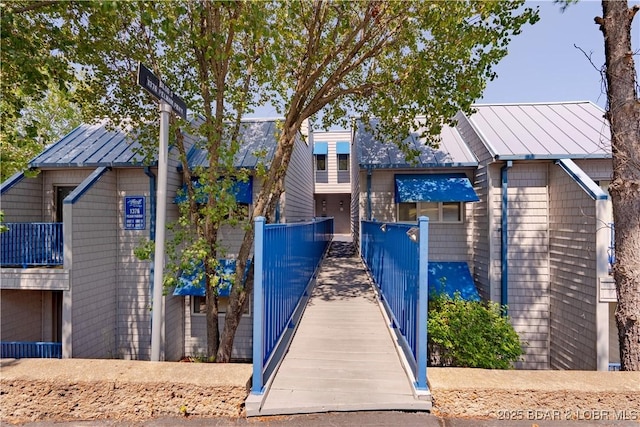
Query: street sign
161, 91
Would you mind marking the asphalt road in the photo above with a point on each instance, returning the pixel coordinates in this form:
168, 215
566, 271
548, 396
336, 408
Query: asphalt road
354, 419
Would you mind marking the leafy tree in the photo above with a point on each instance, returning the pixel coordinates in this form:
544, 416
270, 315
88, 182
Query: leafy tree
35, 78
42, 122
392, 60
623, 113
471, 334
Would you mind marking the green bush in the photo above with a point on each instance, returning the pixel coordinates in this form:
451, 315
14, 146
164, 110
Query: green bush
470, 334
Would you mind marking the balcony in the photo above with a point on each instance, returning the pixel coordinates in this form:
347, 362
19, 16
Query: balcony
32, 244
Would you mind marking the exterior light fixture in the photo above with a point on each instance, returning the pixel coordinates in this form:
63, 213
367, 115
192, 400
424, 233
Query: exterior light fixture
414, 234
383, 227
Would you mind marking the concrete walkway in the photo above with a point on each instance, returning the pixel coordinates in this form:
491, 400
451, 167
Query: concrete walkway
343, 356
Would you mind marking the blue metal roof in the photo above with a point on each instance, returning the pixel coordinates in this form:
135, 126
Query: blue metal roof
452, 187
450, 278
96, 146
452, 150
543, 130
257, 136
89, 146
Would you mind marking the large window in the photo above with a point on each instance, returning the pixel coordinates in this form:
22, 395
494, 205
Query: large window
321, 162
343, 162
450, 212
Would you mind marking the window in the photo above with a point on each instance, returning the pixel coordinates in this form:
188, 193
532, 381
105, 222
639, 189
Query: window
199, 305
321, 162
343, 162
450, 212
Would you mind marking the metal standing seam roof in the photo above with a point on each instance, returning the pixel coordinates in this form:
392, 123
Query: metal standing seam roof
89, 146
257, 136
96, 146
452, 151
543, 130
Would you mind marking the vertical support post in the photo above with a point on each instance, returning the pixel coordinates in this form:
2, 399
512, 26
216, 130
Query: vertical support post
157, 318
423, 304
257, 385
504, 237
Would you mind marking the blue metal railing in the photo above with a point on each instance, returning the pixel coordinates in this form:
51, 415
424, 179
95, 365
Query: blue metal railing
397, 257
611, 252
286, 258
31, 243
35, 350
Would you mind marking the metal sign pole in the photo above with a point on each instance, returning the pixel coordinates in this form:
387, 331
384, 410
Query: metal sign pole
157, 318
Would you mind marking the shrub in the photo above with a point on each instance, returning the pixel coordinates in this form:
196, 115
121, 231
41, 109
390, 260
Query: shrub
470, 334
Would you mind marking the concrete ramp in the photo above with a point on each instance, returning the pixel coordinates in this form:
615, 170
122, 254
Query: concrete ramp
343, 356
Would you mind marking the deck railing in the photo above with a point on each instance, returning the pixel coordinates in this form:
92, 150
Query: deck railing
396, 255
35, 350
32, 244
611, 252
286, 258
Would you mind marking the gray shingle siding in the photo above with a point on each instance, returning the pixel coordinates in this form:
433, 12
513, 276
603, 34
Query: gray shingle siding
572, 224
94, 219
23, 201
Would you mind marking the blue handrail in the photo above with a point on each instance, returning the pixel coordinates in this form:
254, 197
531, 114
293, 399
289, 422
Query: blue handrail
32, 243
34, 350
397, 257
611, 253
286, 258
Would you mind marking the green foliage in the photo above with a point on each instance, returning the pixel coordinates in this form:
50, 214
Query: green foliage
471, 334
42, 121
392, 60
3, 228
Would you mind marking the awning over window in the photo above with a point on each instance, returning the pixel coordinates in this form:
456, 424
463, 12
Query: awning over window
320, 148
454, 187
451, 277
342, 147
243, 191
189, 285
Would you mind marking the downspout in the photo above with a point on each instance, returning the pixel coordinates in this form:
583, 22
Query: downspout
504, 235
369, 216
152, 220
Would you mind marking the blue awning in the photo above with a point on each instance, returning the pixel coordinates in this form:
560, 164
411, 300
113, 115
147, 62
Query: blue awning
243, 191
320, 148
453, 187
189, 285
342, 147
451, 277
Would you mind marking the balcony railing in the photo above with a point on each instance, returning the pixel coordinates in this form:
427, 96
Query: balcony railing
31, 244
611, 252
34, 350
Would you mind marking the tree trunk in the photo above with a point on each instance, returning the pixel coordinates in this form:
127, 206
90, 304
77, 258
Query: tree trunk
213, 332
265, 204
624, 116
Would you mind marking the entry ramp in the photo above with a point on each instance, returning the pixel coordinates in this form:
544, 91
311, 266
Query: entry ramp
344, 356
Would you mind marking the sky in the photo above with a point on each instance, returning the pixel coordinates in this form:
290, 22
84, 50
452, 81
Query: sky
543, 65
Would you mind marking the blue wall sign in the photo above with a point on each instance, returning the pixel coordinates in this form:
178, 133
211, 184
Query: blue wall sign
134, 217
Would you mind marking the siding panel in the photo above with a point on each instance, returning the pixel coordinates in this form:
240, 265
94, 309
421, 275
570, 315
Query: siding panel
573, 274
